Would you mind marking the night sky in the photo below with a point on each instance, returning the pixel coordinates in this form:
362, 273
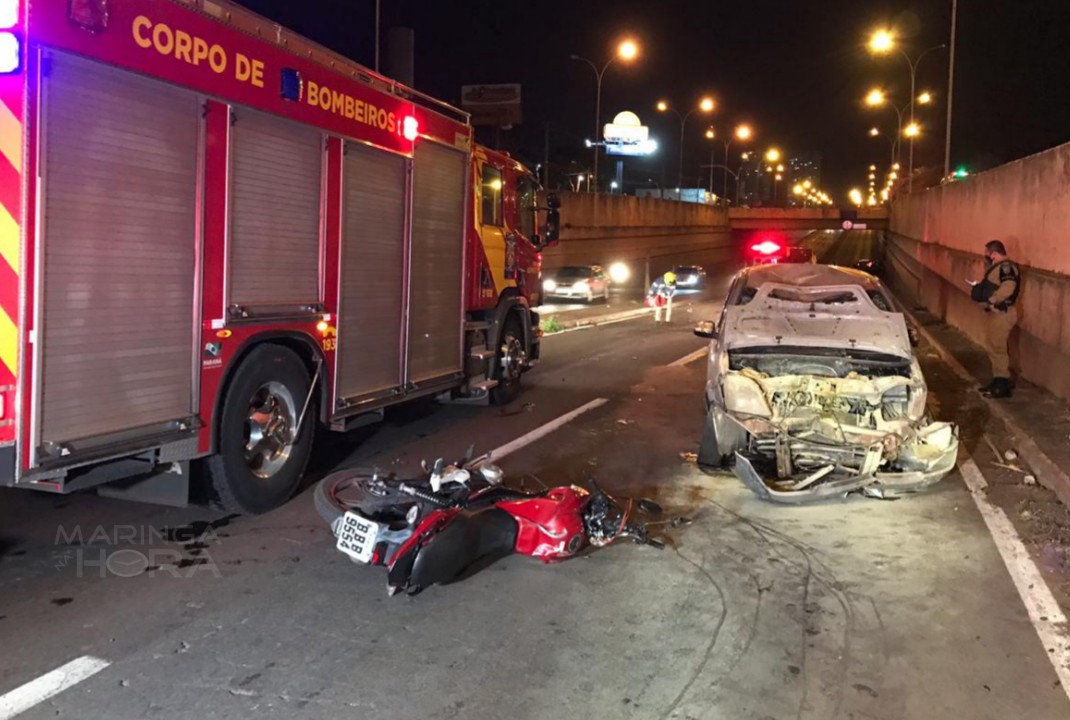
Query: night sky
796, 71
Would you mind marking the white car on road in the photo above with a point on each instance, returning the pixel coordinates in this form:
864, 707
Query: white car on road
814, 391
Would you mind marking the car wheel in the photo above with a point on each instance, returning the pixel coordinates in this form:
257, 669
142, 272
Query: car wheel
262, 454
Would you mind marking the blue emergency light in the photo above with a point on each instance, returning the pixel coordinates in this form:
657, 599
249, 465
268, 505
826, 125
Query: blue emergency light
293, 85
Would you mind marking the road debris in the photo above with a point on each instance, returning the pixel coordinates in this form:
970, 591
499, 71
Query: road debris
689, 457
1030, 480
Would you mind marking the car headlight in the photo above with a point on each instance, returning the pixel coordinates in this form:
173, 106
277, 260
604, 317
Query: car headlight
549, 286
619, 272
581, 286
745, 397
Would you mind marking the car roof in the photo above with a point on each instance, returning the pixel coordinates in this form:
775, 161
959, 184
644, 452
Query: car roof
809, 275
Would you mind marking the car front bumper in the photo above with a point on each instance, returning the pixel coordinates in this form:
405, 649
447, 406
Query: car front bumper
917, 463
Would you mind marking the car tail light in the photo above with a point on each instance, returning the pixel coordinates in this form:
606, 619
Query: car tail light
766, 247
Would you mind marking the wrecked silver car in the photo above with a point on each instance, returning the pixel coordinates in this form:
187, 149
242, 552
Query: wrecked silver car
813, 389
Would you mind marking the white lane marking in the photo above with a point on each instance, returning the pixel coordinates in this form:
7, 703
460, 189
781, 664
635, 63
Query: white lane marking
1044, 612
689, 358
539, 432
52, 683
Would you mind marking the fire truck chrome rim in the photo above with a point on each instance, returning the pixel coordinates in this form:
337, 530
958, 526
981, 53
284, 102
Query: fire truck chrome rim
269, 429
512, 356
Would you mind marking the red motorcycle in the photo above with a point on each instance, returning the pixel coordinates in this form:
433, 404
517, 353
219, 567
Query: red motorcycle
460, 518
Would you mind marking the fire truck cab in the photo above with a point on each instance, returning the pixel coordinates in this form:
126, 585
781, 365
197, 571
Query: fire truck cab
217, 235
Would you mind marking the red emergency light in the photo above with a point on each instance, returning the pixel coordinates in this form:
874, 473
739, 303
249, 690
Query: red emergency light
766, 247
410, 128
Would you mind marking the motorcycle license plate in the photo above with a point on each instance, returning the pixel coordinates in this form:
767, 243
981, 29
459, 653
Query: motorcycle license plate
356, 537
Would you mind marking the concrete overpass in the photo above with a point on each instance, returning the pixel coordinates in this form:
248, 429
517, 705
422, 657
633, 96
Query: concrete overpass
805, 218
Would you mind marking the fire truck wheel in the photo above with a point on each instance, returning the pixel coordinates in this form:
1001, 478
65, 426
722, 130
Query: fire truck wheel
510, 359
260, 462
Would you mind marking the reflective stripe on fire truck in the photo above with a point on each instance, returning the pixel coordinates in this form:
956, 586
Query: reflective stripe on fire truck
10, 184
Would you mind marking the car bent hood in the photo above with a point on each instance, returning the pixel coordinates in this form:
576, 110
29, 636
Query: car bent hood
825, 316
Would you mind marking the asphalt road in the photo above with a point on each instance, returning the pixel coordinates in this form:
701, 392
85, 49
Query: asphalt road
858, 609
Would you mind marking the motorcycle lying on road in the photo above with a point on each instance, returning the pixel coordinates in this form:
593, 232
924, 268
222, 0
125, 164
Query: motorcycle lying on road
439, 529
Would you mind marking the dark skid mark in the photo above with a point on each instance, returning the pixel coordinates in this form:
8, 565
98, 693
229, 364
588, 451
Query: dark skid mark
187, 562
62, 601
866, 689
196, 529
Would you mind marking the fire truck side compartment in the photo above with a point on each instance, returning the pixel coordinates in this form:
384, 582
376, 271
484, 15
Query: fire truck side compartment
371, 269
275, 187
436, 272
116, 257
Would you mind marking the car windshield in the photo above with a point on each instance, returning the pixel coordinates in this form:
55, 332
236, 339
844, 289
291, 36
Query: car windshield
573, 273
687, 270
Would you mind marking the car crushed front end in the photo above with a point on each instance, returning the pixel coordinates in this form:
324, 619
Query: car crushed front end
824, 387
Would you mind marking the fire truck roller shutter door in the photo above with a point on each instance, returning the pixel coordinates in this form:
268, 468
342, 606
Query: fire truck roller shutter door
119, 235
436, 275
372, 268
276, 177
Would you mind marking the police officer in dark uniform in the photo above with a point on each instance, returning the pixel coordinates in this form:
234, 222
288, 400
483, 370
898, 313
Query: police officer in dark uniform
998, 292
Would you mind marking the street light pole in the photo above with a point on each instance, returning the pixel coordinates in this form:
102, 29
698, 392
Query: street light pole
377, 36
913, 65
592, 185
884, 41
706, 105
626, 51
950, 89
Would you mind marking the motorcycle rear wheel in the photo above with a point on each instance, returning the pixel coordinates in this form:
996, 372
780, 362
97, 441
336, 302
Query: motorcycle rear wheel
355, 490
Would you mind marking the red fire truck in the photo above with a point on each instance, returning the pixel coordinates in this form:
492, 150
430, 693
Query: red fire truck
217, 235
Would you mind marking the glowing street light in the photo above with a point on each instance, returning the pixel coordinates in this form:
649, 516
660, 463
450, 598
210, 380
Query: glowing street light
855, 196
808, 184
875, 97
882, 41
710, 134
627, 50
706, 105
744, 132
772, 155
798, 189
912, 130
925, 98
874, 132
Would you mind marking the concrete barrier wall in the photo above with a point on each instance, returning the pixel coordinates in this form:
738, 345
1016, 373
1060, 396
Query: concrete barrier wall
603, 229
937, 241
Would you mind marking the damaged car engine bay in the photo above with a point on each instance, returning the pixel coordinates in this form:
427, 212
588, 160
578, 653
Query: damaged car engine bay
815, 393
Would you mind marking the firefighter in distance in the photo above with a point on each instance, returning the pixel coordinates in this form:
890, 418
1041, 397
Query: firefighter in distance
660, 296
